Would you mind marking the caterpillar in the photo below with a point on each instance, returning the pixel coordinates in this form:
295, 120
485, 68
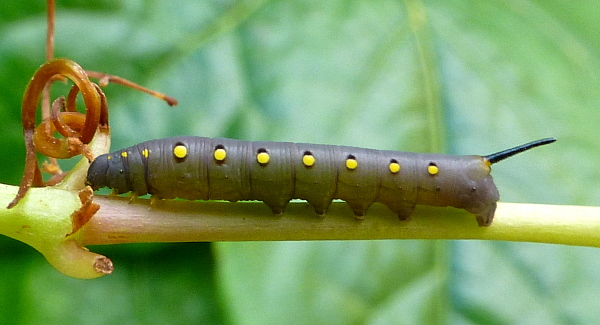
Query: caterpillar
198, 168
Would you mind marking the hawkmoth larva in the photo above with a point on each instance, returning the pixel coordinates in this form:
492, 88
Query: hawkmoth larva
198, 168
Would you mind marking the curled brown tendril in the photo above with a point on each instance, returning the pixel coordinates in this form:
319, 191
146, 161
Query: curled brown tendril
104, 79
77, 129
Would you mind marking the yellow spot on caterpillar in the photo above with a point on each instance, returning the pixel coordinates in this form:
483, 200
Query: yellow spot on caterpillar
351, 162
145, 153
262, 158
308, 160
180, 151
432, 169
109, 158
220, 154
124, 154
394, 167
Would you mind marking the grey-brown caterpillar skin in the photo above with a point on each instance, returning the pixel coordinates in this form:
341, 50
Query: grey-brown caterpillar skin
275, 172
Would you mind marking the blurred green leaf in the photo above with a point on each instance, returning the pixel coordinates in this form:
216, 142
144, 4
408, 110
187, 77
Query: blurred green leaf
334, 282
463, 77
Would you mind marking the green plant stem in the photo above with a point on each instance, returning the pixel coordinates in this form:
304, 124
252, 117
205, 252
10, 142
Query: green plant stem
43, 220
122, 221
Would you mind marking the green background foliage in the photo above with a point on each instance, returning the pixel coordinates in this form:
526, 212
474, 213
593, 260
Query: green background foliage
460, 77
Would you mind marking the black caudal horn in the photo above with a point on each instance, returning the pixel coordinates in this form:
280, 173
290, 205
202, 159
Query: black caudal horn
496, 157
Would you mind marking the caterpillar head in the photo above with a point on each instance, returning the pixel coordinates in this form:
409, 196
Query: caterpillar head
108, 170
